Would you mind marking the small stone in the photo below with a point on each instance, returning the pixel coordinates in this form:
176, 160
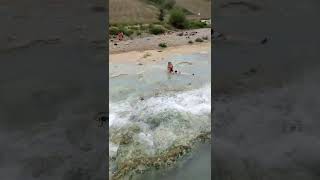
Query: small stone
141, 168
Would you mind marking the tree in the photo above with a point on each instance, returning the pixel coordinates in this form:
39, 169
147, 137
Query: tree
161, 15
178, 19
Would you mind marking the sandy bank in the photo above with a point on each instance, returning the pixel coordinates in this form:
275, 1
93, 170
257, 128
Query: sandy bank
153, 41
149, 56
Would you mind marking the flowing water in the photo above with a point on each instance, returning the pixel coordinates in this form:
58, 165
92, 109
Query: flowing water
151, 112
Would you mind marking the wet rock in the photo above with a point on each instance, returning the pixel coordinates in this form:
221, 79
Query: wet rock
126, 139
134, 129
157, 165
204, 137
163, 160
140, 169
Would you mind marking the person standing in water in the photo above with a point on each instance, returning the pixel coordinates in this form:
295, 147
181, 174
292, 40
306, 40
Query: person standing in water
170, 67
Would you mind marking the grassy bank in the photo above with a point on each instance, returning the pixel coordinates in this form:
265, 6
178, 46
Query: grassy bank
168, 20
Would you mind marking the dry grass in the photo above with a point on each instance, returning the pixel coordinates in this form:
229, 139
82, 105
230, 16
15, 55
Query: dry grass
131, 11
197, 6
138, 11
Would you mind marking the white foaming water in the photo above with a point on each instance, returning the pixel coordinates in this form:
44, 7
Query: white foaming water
163, 121
196, 102
175, 109
119, 114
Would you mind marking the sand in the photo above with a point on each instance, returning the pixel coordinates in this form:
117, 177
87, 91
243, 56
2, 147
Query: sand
152, 41
150, 56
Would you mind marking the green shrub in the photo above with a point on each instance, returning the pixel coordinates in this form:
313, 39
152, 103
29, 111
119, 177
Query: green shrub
157, 29
199, 40
139, 33
161, 15
114, 30
144, 27
134, 27
126, 31
178, 19
197, 24
163, 45
167, 26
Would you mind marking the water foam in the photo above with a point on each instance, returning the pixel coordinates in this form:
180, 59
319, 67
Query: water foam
197, 102
160, 122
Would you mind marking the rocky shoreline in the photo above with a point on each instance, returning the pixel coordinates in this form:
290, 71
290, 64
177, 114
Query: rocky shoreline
164, 160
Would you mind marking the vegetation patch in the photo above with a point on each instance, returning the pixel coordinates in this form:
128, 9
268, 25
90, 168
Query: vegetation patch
157, 29
193, 24
199, 40
178, 19
163, 45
